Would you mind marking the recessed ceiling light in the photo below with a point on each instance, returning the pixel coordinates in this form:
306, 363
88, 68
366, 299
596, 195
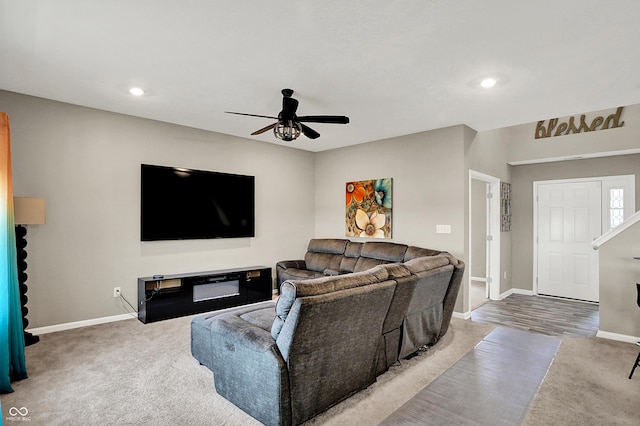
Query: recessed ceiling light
488, 83
136, 91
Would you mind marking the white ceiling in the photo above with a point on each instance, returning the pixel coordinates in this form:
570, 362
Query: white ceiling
394, 67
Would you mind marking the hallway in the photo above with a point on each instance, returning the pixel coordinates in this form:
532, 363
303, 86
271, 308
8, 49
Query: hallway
544, 315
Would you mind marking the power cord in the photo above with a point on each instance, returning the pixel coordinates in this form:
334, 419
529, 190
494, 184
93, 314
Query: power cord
153, 293
134, 309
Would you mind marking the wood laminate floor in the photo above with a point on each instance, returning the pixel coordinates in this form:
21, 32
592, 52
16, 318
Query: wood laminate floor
544, 315
493, 384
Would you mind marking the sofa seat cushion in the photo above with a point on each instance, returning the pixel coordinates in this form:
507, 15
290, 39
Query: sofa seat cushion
301, 274
262, 318
292, 289
260, 314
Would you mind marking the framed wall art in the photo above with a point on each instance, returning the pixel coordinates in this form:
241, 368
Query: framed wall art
505, 206
369, 208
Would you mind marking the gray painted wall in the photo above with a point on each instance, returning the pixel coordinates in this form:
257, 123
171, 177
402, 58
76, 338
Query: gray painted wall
488, 154
619, 312
429, 187
522, 145
427, 170
522, 201
86, 164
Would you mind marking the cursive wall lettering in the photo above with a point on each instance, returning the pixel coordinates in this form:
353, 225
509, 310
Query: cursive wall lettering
553, 128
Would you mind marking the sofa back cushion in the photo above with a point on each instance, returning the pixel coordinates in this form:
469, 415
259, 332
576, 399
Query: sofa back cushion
292, 289
414, 252
377, 253
424, 317
327, 245
421, 264
351, 256
329, 344
325, 253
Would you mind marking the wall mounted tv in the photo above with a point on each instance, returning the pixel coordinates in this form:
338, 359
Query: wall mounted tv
184, 204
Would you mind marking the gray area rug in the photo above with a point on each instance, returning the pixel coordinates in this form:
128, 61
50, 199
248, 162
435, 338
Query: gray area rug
491, 385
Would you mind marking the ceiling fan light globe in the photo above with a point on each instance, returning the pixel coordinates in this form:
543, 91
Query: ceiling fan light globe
287, 131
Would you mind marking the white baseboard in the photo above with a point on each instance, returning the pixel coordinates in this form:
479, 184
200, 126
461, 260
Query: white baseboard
464, 316
618, 337
79, 324
515, 291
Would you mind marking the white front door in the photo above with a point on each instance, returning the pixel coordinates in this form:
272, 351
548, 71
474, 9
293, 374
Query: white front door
569, 218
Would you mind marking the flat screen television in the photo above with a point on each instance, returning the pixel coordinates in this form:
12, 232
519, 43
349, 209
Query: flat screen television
184, 204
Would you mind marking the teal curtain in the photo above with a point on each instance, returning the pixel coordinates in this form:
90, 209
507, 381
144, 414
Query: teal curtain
12, 361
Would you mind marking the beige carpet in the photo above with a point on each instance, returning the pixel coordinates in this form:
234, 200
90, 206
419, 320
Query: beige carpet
129, 373
588, 384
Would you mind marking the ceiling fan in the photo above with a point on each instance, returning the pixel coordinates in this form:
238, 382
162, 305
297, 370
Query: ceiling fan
289, 126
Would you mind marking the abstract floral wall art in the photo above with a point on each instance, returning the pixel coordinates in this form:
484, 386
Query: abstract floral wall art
368, 208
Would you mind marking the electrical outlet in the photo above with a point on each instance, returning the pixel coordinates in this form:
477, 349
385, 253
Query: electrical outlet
116, 292
443, 229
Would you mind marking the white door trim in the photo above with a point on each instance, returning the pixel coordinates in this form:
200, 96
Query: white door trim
493, 229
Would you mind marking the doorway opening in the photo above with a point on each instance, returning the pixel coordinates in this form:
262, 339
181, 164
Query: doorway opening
483, 281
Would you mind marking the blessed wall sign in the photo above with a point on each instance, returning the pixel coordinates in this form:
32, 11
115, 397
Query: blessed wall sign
546, 129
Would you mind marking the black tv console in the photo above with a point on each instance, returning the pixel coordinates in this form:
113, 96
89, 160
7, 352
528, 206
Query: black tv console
171, 296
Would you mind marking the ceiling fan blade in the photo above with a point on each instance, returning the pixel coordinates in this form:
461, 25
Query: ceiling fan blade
251, 115
309, 132
264, 129
335, 119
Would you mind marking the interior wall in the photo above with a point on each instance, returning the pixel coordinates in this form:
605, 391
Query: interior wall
619, 272
522, 200
523, 146
86, 164
488, 154
429, 175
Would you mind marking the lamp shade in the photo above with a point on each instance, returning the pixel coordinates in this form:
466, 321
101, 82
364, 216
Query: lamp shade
29, 211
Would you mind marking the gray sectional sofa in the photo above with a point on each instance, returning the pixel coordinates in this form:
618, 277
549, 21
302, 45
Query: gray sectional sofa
331, 332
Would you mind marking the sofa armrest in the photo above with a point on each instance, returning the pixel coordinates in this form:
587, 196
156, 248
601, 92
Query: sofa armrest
297, 264
451, 297
249, 370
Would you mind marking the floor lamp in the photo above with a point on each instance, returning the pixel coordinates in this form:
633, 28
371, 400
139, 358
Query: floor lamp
28, 211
